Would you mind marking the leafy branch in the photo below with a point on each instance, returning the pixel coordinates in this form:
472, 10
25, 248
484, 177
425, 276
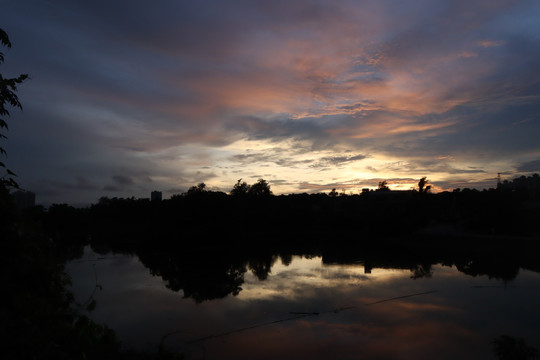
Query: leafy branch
8, 98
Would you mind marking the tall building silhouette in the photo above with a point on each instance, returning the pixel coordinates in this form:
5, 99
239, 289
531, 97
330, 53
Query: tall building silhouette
155, 196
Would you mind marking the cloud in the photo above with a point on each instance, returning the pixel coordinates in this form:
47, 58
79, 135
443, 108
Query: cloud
337, 160
120, 183
529, 166
167, 89
50, 191
80, 183
286, 158
464, 183
122, 180
490, 43
112, 188
434, 166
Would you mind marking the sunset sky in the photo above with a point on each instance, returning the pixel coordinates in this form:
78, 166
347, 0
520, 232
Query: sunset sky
126, 97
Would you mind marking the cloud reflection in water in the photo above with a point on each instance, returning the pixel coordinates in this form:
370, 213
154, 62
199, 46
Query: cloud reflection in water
458, 321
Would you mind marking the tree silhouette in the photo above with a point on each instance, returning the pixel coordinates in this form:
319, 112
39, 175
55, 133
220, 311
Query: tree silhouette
333, 193
261, 265
8, 97
260, 188
383, 186
241, 188
196, 190
422, 188
528, 186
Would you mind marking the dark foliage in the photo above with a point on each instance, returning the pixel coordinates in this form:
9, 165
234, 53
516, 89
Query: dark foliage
215, 217
40, 319
8, 97
510, 348
527, 187
186, 239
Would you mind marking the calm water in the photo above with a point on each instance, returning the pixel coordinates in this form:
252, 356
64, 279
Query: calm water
307, 308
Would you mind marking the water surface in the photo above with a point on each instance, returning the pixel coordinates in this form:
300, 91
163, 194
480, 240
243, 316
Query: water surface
291, 307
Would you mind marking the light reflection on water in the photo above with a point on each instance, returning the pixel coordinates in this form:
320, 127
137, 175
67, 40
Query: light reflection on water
309, 309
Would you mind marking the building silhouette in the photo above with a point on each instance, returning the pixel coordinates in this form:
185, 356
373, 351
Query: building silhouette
155, 196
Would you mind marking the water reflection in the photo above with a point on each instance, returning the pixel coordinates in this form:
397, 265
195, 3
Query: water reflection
209, 275
200, 277
324, 305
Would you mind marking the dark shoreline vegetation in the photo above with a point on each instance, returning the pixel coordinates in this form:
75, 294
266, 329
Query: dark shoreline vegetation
203, 242
257, 219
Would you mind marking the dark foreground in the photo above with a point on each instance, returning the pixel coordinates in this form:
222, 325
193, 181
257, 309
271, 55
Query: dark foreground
203, 244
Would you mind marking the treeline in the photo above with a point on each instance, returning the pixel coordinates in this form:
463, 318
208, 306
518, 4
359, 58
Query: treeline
210, 268
251, 216
526, 186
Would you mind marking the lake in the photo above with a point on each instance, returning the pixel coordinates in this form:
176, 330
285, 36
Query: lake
314, 306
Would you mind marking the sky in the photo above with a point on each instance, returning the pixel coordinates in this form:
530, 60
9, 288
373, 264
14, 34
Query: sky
127, 97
